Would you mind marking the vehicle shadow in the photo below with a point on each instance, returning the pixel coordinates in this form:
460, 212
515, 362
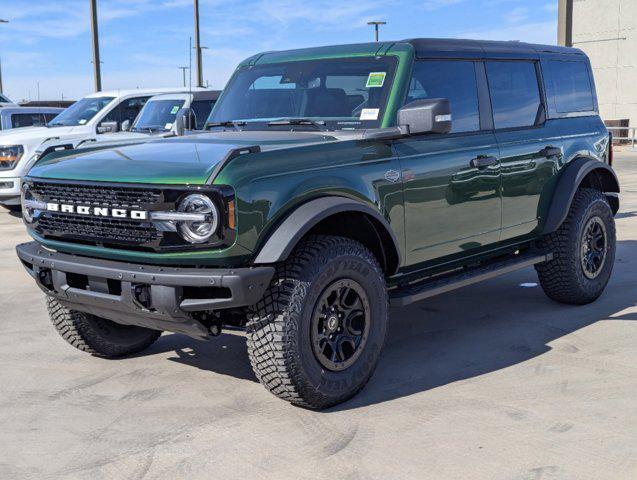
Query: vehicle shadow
225, 355
460, 335
485, 328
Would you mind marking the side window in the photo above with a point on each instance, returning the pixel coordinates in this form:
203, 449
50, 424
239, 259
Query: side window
26, 120
202, 109
126, 110
515, 93
571, 86
454, 80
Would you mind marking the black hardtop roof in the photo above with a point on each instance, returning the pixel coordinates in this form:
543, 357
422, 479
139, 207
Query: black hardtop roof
206, 94
436, 46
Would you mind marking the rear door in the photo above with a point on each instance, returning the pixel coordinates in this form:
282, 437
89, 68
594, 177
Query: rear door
530, 148
451, 206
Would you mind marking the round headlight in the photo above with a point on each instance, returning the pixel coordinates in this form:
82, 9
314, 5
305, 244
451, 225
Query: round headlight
27, 212
198, 231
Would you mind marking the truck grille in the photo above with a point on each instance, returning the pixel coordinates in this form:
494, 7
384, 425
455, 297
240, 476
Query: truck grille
94, 230
107, 230
96, 194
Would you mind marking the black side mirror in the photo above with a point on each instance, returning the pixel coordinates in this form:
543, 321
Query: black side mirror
184, 121
432, 115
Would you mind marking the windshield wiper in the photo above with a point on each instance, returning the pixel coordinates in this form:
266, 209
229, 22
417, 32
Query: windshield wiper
145, 129
227, 123
320, 124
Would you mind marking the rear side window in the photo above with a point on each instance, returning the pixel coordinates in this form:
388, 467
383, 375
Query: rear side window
571, 86
27, 120
451, 79
515, 93
127, 110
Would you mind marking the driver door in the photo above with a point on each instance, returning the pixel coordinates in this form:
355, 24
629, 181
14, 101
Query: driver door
451, 182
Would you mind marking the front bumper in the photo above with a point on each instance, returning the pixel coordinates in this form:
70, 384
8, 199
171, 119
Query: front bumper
162, 298
9, 191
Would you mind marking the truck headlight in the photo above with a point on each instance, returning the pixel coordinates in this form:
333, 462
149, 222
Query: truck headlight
10, 155
30, 204
205, 218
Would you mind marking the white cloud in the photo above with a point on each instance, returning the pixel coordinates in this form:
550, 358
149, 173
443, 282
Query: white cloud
534, 32
551, 7
516, 15
436, 4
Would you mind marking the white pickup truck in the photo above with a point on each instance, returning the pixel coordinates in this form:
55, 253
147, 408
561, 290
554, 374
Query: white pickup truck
160, 117
97, 114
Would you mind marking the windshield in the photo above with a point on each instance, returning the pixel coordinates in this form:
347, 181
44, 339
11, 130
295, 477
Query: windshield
158, 115
80, 112
339, 93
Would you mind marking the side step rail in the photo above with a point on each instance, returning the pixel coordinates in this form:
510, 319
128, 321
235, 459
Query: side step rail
445, 283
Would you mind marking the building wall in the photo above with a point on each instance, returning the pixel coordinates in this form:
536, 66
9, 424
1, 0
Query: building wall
607, 31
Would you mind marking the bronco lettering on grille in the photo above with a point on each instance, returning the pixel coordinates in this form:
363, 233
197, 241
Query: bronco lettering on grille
97, 211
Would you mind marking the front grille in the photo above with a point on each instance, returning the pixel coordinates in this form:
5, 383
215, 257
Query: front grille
96, 194
96, 230
107, 230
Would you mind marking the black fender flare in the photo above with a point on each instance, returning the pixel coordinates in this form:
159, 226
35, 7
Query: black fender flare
568, 183
300, 221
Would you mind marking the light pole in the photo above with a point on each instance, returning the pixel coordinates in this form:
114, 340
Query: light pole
183, 71
376, 25
96, 47
2, 21
198, 47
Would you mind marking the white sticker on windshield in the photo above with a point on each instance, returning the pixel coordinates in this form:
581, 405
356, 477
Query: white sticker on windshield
168, 126
174, 110
369, 114
82, 121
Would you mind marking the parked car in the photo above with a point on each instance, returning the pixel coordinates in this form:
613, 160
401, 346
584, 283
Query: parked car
336, 181
90, 117
163, 115
17, 117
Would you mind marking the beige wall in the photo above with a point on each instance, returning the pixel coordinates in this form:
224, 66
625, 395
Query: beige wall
607, 31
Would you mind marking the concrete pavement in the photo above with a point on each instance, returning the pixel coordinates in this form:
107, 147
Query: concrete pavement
493, 381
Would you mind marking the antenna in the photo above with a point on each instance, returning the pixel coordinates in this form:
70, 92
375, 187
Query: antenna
190, 79
39, 104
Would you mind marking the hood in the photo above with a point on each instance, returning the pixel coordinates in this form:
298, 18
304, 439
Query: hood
32, 135
182, 160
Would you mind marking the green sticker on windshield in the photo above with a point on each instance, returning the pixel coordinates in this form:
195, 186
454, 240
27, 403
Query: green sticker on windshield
376, 79
174, 110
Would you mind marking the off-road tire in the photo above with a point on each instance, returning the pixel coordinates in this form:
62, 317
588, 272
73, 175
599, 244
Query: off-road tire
279, 343
99, 336
563, 278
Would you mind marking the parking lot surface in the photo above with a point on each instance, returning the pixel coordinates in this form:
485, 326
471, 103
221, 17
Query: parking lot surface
493, 381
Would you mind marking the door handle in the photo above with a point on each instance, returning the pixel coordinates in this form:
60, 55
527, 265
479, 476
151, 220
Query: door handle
550, 152
483, 162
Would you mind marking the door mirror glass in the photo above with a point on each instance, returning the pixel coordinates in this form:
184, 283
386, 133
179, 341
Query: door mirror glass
432, 115
107, 127
184, 121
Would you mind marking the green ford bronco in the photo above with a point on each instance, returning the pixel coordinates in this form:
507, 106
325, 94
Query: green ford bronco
331, 183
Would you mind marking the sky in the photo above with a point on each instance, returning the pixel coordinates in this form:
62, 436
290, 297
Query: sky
144, 42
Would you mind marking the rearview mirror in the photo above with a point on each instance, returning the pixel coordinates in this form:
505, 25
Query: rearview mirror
107, 127
432, 115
